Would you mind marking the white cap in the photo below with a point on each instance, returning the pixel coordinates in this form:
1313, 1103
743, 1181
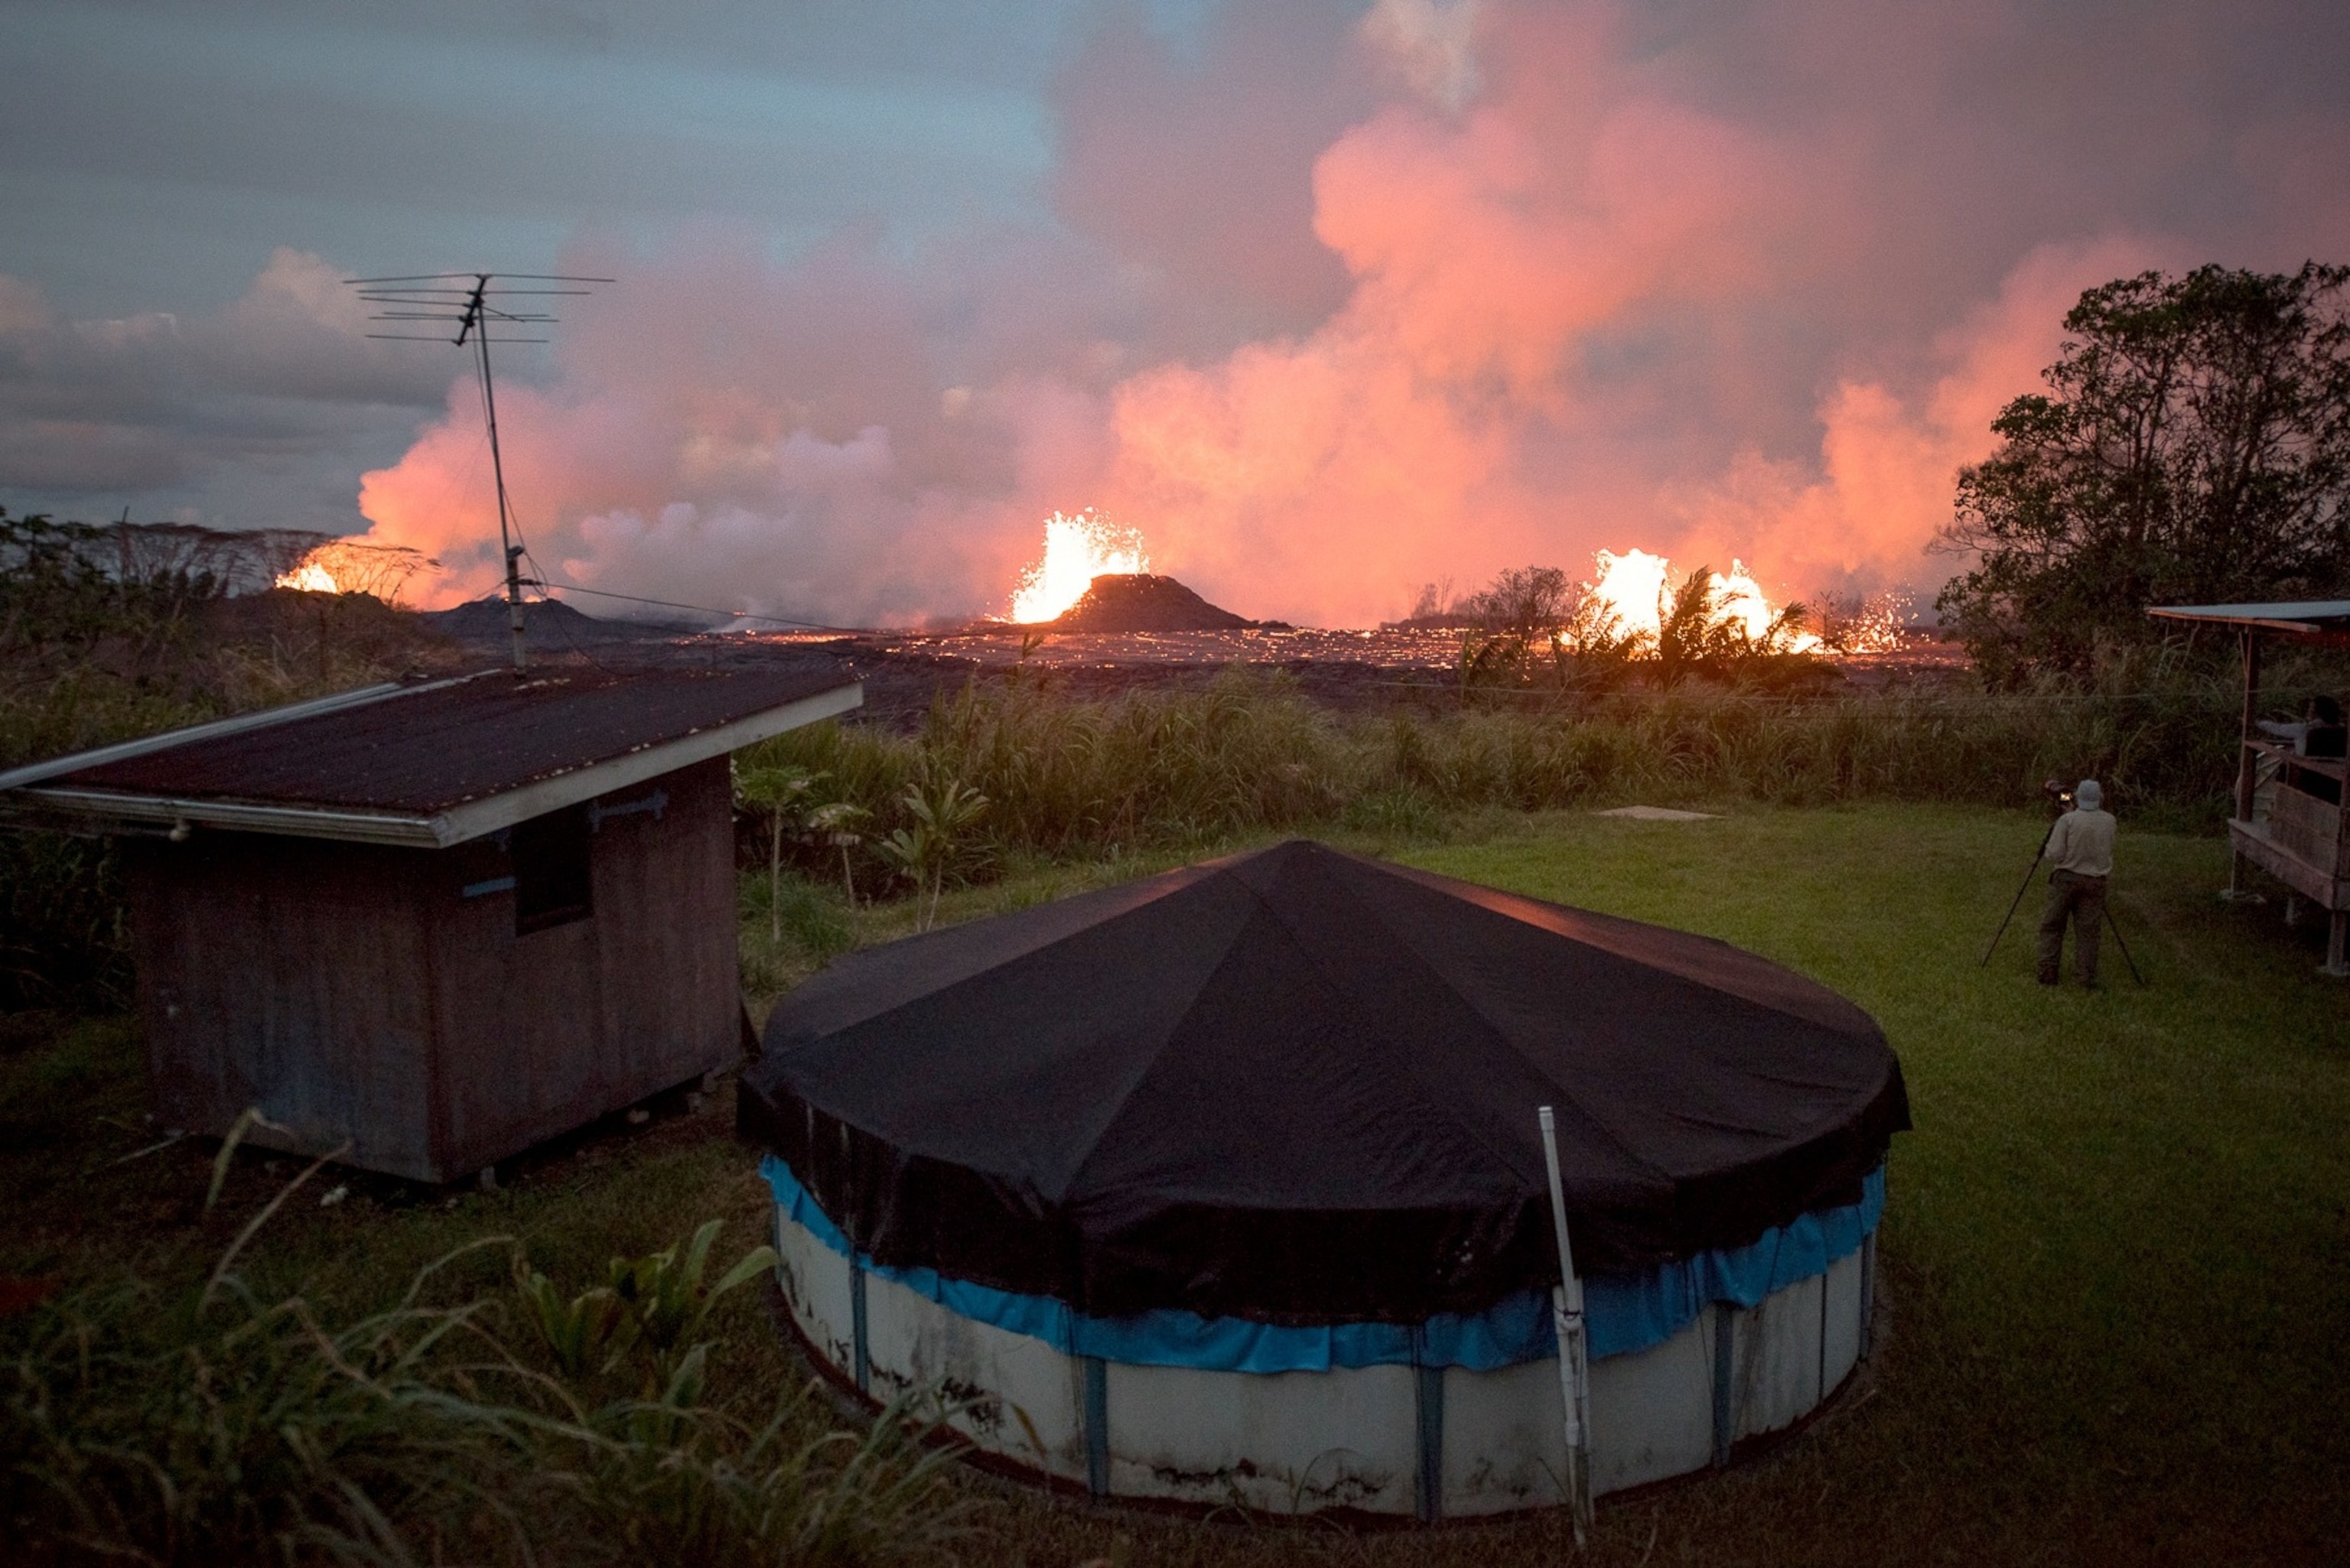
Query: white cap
2087, 796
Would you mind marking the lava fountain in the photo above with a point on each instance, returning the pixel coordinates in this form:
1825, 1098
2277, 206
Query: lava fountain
309, 577
1077, 550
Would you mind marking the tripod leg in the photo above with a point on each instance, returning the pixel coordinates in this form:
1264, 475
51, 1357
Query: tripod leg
2014, 902
2013, 905
2116, 927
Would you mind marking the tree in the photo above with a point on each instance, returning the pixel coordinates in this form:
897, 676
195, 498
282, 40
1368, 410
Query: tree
2193, 448
1524, 602
1434, 606
1523, 610
838, 825
776, 791
1698, 633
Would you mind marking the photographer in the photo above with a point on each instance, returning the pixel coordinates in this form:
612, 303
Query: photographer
2081, 846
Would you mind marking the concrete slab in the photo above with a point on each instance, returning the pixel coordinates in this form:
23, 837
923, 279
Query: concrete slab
1656, 814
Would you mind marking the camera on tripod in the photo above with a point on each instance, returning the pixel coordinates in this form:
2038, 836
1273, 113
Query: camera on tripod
2059, 794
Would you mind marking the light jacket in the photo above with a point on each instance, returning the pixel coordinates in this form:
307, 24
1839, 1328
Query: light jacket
2083, 843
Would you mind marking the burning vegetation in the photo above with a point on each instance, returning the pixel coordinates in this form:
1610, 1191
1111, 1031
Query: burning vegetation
1632, 599
1534, 625
352, 567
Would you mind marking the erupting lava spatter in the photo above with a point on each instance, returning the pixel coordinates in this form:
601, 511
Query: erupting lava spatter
1077, 550
309, 577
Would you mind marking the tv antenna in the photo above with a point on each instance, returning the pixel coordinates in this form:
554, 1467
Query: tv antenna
464, 300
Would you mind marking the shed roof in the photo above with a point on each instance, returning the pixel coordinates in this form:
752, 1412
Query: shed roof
429, 764
2306, 617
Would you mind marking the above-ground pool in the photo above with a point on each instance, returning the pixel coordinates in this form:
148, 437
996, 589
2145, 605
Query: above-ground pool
1224, 1187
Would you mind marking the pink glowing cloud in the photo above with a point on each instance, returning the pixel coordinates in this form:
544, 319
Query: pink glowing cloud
1507, 283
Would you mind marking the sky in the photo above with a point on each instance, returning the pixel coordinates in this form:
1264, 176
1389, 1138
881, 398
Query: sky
1327, 301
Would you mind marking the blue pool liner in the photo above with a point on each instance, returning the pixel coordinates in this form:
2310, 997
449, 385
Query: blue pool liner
1626, 1313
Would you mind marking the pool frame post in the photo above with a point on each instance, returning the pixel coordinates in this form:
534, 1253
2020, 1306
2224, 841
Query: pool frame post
1573, 1346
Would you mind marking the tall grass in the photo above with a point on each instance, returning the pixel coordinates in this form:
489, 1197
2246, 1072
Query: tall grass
212, 1426
1249, 754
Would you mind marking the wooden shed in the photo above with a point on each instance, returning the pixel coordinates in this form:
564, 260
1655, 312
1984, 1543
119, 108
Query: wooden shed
437, 922
2288, 818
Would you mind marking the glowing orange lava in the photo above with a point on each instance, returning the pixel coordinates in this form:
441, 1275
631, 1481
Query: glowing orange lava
309, 577
1637, 586
1077, 550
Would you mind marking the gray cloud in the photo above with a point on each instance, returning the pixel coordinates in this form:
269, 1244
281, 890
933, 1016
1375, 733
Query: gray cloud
259, 413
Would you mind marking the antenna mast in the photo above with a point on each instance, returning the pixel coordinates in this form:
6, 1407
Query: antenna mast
462, 299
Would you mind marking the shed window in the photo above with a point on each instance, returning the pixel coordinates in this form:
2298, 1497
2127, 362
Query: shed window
553, 886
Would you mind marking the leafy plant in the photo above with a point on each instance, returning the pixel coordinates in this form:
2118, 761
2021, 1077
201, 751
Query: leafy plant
660, 1300
587, 1332
943, 810
2192, 447
668, 1292
1594, 650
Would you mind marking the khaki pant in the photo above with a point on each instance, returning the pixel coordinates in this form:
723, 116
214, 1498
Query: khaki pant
2082, 898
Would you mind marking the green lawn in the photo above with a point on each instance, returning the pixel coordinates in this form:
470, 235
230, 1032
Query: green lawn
2117, 1255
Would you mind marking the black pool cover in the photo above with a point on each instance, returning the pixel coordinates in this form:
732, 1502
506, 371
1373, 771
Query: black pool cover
1298, 1085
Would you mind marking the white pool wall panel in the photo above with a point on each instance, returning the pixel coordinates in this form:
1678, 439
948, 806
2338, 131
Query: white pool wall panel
1504, 1447
1651, 1410
1021, 1398
1282, 1442
818, 1288
1777, 1376
1840, 1342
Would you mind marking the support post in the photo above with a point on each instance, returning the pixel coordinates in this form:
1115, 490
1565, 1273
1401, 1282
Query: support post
2246, 773
1428, 1399
1820, 1385
1725, 1380
1868, 1295
861, 1349
2247, 762
1574, 1348
1096, 1400
2337, 945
